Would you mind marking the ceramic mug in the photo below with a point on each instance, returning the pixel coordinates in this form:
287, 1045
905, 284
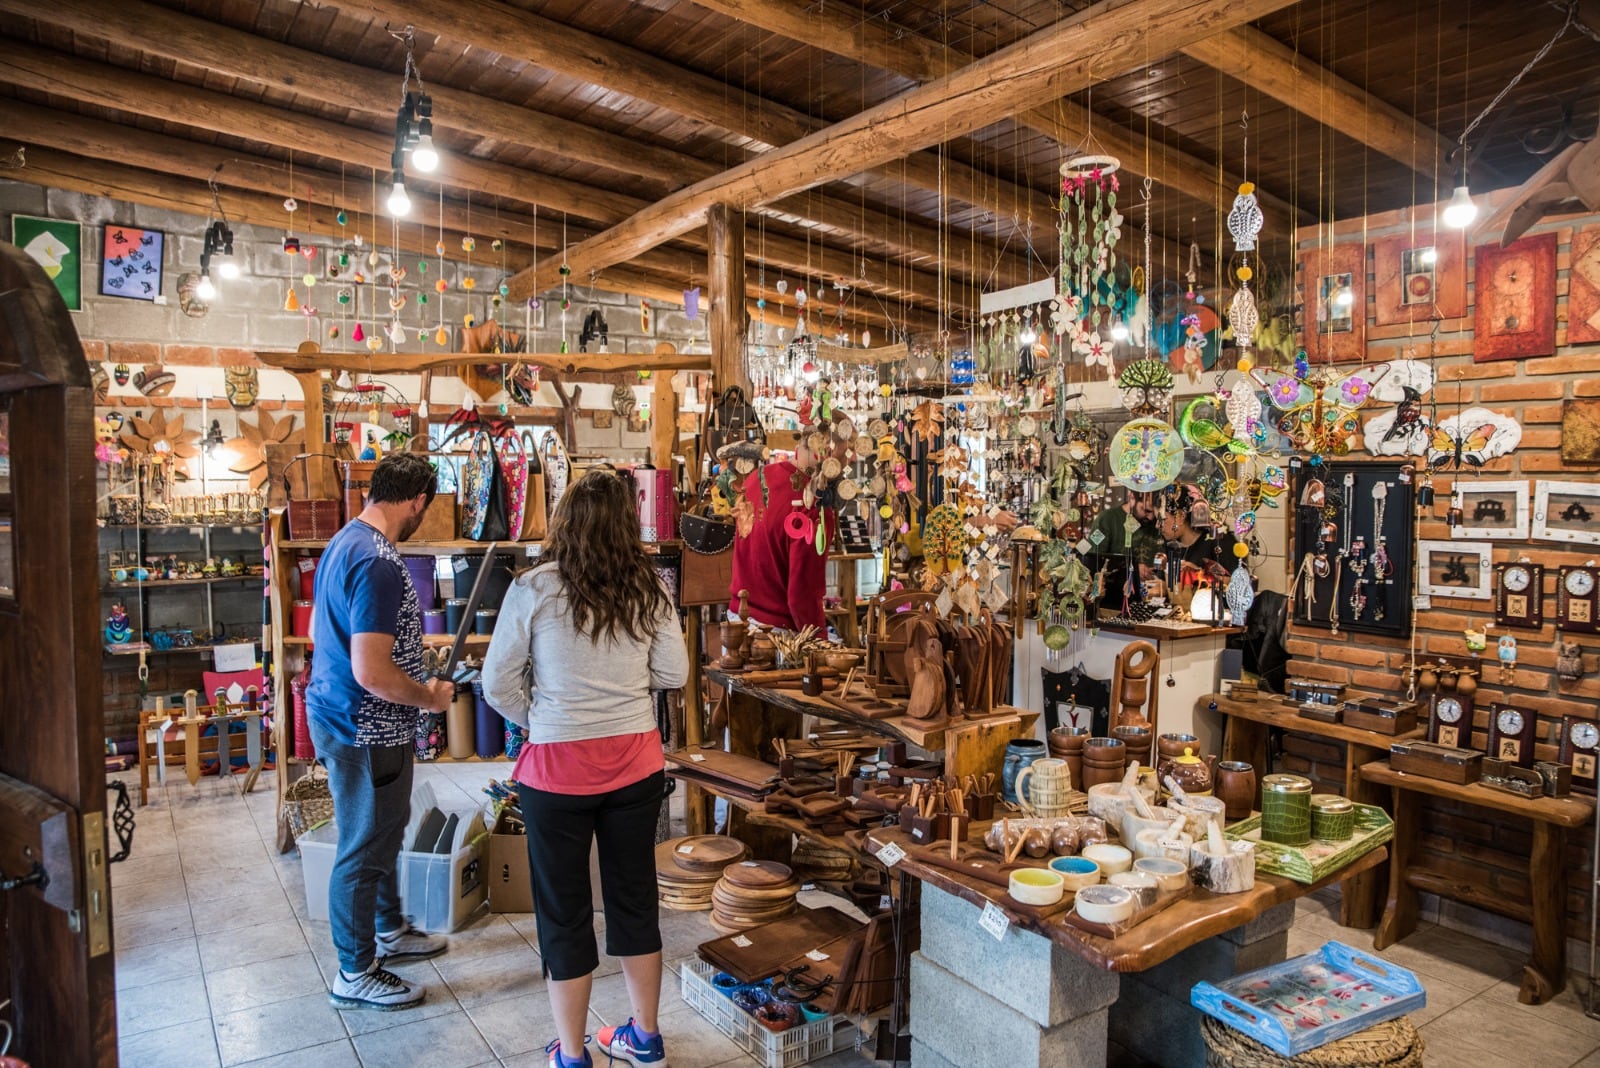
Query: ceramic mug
1043, 787
1235, 783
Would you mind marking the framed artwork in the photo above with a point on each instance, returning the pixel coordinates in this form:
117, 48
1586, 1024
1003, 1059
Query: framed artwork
1492, 510
1419, 277
1515, 315
1580, 426
1583, 294
131, 263
601, 418
1455, 568
57, 246
1334, 284
647, 320
1566, 511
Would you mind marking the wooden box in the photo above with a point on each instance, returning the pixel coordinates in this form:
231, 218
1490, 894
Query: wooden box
1380, 718
1320, 713
1432, 761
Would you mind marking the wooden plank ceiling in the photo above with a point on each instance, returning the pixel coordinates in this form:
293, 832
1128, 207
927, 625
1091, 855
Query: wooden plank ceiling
563, 119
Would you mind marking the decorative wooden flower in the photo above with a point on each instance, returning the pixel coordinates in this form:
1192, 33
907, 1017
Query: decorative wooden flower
251, 447
163, 436
927, 420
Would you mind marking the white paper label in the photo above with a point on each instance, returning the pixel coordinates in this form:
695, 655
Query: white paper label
884, 903
890, 855
686, 849
750, 864
816, 954
994, 920
742, 942
461, 564
697, 758
308, 564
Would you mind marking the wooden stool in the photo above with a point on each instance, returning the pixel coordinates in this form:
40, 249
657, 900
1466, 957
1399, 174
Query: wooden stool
1391, 1044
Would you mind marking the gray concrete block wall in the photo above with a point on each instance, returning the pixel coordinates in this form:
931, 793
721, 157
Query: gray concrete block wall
960, 1024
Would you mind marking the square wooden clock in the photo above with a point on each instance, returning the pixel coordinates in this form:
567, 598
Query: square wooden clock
1519, 594
1578, 600
1580, 747
1511, 732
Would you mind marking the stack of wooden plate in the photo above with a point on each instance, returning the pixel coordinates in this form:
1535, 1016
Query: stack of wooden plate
687, 869
751, 893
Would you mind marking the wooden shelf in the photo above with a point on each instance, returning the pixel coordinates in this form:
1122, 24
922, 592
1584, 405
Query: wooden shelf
1274, 712
1571, 811
157, 584
431, 641
134, 648
181, 526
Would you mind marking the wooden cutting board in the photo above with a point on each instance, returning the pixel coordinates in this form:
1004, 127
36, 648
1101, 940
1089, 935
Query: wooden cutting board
706, 852
758, 874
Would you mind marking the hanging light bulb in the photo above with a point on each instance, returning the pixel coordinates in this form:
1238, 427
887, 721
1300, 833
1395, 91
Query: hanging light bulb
204, 289
1119, 331
228, 269
399, 203
423, 155
1461, 211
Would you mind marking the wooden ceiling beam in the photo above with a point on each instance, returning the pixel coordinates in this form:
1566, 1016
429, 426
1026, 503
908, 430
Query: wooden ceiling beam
236, 53
879, 44
1051, 63
698, 97
100, 85
1248, 55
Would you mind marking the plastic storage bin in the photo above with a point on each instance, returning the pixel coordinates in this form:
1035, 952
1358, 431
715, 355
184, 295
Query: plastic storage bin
801, 1044
442, 874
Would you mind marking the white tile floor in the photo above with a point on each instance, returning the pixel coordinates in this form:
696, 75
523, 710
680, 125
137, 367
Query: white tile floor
218, 965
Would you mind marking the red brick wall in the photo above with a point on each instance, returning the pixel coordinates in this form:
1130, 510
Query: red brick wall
1460, 841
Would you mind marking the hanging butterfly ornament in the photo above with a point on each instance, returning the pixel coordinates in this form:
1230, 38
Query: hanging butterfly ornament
1317, 410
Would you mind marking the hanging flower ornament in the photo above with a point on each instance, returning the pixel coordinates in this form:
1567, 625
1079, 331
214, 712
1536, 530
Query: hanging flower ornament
1098, 354
1091, 226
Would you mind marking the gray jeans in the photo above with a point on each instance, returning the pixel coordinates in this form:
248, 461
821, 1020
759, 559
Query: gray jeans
371, 788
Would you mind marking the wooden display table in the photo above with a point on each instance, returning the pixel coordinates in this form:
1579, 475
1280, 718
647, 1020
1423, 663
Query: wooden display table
1545, 974
1046, 992
1248, 725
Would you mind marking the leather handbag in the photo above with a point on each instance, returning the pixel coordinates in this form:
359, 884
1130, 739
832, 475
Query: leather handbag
536, 507
557, 468
704, 531
733, 419
708, 565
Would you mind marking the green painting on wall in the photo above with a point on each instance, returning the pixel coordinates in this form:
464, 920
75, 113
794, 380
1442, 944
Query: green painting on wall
57, 246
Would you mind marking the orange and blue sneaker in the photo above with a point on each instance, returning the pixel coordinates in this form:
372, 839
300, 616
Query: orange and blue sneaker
629, 1042
558, 1060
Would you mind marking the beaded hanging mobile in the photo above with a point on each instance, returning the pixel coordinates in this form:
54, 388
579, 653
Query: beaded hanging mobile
1244, 223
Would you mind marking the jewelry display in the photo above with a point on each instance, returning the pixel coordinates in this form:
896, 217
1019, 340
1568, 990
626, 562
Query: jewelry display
1356, 548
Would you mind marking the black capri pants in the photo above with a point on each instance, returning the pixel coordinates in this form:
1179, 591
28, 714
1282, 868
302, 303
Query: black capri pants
560, 828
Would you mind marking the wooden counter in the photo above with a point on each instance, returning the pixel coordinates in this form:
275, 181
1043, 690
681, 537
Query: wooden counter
1545, 974
1198, 917
1245, 737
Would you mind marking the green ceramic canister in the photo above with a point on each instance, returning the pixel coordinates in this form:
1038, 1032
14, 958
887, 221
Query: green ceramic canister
1286, 809
1333, 818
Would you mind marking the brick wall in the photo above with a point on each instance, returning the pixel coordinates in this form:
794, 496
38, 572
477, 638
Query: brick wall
1459, 841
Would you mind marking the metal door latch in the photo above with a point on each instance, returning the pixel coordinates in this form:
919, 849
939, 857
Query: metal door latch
37, 877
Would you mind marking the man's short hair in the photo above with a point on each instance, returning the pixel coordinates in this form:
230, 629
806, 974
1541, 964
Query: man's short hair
401, 477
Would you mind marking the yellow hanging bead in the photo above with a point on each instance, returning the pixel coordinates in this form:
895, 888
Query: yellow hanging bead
442, 336
1241, 550
1244, 364
1246, 188
1245, 274
291, 302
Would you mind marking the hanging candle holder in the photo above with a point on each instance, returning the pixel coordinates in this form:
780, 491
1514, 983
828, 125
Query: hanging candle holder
1091, 226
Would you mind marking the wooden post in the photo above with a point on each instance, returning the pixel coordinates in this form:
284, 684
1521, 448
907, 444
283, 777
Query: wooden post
664, 418
725, 242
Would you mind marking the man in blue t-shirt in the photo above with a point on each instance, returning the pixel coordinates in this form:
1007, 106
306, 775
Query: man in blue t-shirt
367, 683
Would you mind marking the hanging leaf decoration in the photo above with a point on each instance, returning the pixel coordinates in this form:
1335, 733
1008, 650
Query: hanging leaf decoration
927, 419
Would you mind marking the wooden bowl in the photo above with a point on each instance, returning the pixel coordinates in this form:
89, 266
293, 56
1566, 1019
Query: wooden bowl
841, 662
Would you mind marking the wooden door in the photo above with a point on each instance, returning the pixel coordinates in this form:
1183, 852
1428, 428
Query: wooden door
55, 938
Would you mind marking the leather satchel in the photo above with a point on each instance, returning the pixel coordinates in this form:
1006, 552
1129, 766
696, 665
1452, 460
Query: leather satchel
733, 419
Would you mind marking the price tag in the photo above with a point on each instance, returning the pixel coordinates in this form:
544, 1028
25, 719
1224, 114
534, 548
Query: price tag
686, 849
308, 564
460, 565
816, 954
697, 758
884, 903
742, 942
890, 855
994, 921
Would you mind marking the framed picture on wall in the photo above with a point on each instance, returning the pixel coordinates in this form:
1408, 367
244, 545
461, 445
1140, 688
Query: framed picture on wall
1333, 280
1566, 511
1583, 294
1515, 291
1492, 510
57, 246
130, 264
1419, 277
1455, 568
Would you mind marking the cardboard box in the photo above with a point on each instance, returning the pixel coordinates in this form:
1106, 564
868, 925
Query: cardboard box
442, 878
511, 874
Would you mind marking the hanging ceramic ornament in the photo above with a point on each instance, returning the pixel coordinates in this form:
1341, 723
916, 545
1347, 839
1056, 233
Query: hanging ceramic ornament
1241, 594
1146, 386
358, 334
1146, 454
1245, 219
291, 302
1091, 226
1242, 315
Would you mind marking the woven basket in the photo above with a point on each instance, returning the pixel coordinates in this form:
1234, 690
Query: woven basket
306, 802
1391, 1044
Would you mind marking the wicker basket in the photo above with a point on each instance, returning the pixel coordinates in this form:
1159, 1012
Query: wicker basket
1391, 1044
306, 802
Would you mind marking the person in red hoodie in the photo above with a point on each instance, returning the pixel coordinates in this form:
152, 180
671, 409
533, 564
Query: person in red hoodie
785, 575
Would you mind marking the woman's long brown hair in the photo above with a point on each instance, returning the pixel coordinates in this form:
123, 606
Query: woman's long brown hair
609, 579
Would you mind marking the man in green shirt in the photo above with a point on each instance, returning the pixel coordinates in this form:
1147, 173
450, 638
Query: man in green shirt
1128, 532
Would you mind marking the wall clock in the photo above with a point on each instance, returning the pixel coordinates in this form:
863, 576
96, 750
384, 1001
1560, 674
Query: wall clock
1580, 747
1511, 734
1519, 594
1450, 720
1578, 600
1515, 315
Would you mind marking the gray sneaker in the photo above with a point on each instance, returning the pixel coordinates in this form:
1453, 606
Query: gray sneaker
376, 988
409, 944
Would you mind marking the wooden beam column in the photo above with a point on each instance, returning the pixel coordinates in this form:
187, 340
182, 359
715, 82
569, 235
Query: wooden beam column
725, 245
664, 417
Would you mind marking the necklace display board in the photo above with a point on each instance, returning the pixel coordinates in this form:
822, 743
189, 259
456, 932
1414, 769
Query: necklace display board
1354, 533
